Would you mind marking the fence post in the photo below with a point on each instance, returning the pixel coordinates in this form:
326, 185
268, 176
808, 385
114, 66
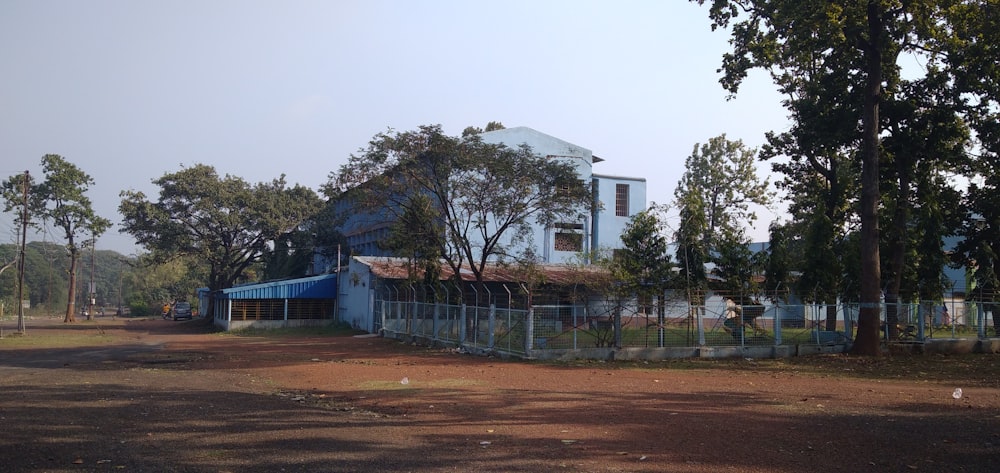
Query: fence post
491, 325
413, 321
661, 330
921, 319
618, 325
699, 321
398, 308
850, 317
383, 314
981, 319
434, 321
816, 323
777, 324
529, 331
461, 325
576, 324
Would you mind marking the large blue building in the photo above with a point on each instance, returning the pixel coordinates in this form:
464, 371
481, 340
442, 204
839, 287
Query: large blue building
619, 199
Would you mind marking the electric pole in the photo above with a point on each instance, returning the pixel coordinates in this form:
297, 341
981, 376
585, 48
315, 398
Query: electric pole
20, 266
92, 294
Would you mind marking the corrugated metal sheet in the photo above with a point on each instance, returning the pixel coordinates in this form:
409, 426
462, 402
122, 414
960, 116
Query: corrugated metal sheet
557, 274
315, 287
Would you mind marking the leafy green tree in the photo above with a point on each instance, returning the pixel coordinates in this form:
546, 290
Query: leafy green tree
783, 256
692, 248
713, 197
969, 56
924, 136
979, 248
8, 295
722, 173
417, 236
643, 266
484, 196
224, 222
864, 40
61, 199
153, 283
320, 233
474, 130
737, 268
45, 280
818, 176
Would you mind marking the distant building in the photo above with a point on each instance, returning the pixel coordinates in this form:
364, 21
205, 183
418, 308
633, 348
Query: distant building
619, 199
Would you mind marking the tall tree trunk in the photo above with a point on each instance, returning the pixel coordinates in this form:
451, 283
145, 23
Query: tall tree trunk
831, 317
867, 341
71, 302
897, 258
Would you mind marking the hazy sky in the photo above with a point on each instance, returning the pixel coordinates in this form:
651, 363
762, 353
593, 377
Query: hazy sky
129, 90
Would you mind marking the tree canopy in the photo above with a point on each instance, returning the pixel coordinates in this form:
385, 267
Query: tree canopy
222, 221
61, 198
482, 196
714, 196
844, 59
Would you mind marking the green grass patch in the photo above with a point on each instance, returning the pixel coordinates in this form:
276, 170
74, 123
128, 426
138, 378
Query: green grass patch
56, 340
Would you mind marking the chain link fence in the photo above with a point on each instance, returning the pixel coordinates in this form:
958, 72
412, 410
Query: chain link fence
671, 323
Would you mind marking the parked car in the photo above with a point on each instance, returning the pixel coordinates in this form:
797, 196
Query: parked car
181, 310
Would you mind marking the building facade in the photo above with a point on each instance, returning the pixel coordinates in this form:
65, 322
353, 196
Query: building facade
619, 198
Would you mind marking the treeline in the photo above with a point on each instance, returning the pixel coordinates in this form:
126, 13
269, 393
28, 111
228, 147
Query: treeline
123, 280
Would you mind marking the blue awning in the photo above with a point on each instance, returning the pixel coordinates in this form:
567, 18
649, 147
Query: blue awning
323, 286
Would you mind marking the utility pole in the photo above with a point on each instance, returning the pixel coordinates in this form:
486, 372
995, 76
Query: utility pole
20, 266
92, 293
121, 269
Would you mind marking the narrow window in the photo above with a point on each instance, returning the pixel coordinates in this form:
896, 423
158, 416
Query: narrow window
621, 200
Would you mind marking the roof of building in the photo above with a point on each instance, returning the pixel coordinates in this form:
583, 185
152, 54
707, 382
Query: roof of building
323, 286
545, 143
558, 274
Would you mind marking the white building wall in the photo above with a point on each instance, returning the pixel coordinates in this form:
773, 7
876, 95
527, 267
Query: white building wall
354, 296
608, 226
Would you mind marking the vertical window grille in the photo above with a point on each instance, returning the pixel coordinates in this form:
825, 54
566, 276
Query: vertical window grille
621, 200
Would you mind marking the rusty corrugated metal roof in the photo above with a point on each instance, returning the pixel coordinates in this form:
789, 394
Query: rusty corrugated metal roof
559, 274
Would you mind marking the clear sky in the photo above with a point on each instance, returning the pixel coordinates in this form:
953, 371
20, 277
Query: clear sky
129, 90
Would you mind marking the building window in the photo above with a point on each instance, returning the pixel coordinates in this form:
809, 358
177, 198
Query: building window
569, 237
621, 200
569, 242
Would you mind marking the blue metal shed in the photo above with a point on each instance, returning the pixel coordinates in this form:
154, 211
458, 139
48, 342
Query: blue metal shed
323, 286
292, 302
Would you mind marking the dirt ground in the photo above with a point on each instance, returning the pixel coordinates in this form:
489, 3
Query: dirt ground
162, 396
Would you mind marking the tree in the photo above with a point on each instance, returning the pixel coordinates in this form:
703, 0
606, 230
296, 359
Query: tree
865, 41
819, 176
783, 256
714, 196
474, 130
642, 268
924, 136
483, 196
979, 249
417, 236
224, 222
721, 172
969, 55
61, 199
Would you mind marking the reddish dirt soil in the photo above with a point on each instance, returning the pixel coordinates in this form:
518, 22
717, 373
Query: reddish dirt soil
156, 395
